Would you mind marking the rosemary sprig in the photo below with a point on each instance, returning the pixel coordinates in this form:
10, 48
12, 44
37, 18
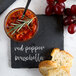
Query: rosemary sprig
21, 23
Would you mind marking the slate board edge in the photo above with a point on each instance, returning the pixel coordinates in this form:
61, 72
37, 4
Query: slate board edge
36, 67
5, 5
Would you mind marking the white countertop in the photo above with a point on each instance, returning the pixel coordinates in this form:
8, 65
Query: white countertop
38, 6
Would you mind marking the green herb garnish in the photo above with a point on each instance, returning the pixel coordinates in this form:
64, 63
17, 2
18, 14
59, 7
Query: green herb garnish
21, 23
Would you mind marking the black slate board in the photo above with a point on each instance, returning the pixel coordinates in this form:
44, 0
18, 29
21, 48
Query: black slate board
29, 54
4, 4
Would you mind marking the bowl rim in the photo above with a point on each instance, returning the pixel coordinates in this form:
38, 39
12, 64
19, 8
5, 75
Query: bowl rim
7, 17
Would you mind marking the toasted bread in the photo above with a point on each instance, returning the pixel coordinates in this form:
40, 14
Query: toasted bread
62, 58
58, 72
59, 65
44, 66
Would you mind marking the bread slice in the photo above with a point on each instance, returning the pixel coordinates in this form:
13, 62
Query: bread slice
44, 66
58, 72
62, 58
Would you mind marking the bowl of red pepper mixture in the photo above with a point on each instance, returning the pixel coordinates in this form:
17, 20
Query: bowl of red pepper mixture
18, 28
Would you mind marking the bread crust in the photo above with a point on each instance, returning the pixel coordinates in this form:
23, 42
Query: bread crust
53, 51
57, 49
50, 67
55, 70
66, 53
47, 63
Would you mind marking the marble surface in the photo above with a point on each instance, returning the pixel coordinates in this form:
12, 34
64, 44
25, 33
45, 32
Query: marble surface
38, 6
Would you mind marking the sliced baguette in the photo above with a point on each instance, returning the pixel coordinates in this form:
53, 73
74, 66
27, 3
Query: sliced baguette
58, 72
44, 66
62, 58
